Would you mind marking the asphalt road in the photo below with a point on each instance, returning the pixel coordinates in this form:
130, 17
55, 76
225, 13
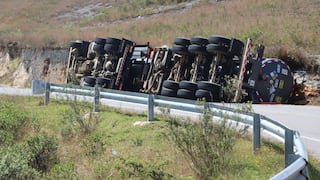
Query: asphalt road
305, 119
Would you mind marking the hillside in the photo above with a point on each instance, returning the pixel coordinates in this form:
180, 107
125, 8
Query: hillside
291, 24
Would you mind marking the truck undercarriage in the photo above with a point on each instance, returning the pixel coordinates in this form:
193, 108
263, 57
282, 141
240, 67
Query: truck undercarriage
213, 69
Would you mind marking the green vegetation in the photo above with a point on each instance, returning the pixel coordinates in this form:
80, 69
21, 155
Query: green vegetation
207, 143
231, 87
78, 117
11, 119
114, 148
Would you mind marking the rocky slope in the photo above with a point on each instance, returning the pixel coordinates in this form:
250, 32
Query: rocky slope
19, 66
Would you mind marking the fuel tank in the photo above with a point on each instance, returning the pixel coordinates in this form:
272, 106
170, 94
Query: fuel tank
274, 83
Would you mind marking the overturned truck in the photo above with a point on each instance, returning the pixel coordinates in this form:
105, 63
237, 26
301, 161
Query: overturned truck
214, 69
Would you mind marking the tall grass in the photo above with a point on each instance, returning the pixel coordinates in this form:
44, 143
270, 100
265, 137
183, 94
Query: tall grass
288, 23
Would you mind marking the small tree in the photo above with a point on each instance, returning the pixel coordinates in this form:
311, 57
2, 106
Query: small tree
78, 116
206, 143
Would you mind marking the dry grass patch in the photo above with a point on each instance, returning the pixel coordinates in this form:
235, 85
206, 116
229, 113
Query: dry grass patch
287, 23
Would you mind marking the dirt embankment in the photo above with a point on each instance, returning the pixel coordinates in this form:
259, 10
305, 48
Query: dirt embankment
19, 66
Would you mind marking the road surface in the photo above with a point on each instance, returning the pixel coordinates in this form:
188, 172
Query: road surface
305, 119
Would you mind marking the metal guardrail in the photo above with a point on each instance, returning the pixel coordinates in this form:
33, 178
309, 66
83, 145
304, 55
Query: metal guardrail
296, 156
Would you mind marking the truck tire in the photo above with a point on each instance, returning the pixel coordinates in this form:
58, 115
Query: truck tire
208, 86
111, 48
103, 82
199, 40
168, 92
114, 41
171, 85
100, 41
219, 40
75, 44
90, 80
84, 48
200, 94
179, 49
214, 49
197, 49
181, 41
188, 85
99, 48
236, 47
186, 94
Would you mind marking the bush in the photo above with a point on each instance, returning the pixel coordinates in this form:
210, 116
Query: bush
14, 164
78, 116
28, 159
41, 150
132, 168
11, 119
64, 170
230, 88
93, 145
206, 143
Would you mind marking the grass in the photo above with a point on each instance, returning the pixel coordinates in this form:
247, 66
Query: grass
141, 144
123, 145
290, 24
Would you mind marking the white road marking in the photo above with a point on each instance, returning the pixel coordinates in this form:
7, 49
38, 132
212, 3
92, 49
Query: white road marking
312, 139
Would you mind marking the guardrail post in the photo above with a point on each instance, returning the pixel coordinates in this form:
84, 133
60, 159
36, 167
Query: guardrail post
206, 106
96, 99
150, 107
47, 93
256, 132
288, 147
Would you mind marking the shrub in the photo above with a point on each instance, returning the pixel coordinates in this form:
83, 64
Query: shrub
41, 150
64, 170
14, 164
132, 168
11, 119
28, 159
255, 33
206, 143
78, 116
93, 145
35, 124
66, 130
230, 88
